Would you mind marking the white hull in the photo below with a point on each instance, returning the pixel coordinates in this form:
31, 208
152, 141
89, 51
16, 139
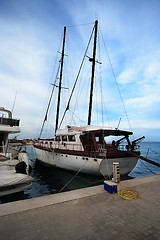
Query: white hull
12, 182
85, 164
17, 189
11, 160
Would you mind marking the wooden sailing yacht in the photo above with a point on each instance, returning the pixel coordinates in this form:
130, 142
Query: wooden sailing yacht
86, 148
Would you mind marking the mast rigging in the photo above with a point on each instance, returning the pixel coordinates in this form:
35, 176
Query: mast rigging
93, 60
60, 81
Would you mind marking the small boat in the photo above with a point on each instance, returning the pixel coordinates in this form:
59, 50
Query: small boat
12, 182
14, 164
87, 148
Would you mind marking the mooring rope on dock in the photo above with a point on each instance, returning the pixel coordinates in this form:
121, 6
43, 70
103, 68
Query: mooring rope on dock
128, 194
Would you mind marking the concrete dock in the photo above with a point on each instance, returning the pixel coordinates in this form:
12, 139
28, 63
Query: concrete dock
86, 214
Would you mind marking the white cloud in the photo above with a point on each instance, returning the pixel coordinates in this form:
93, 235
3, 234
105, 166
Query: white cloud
153, 69
127, 76
143, 102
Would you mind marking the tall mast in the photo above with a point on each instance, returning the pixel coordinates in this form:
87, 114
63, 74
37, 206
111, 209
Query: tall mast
60, 80
93, 59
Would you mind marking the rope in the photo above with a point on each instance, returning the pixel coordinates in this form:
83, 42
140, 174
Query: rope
72, 178
142, 162
128, 193
91, 182
147, 167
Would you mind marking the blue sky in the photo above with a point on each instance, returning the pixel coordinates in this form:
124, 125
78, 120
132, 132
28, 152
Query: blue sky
30, 32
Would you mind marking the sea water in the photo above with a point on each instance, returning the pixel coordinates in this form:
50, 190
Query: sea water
150, 150
50, 181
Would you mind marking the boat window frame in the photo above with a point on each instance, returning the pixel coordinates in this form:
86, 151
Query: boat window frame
71, 138
64, 138
58, 138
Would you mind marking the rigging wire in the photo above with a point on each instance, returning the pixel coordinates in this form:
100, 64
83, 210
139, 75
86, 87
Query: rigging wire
114, 75
142, 162
73, 114
52, 74
46, 115
91, 182
103, 108
100, 87
79, 25
100, 79
147, 166
82, 89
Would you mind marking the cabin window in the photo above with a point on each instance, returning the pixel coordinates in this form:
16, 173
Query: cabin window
58, 139
87, 142
97, 139
100, 139
71, 138
64, 138
1, 142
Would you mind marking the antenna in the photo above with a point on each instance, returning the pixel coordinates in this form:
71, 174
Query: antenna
14, 101
118, 124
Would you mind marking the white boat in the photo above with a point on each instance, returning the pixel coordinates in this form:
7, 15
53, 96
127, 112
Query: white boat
12, 182
14, 165
88, 149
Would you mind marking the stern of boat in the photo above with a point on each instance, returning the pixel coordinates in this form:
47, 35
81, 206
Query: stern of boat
126, 165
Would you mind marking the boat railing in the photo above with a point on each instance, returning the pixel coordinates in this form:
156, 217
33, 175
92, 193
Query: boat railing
7, 155
78, 147
102, 148
69, 146
121, 147
60, 145
45, 144
3, 147
136, 148
128, 147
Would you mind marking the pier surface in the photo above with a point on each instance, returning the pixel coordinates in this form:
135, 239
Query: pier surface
86, 214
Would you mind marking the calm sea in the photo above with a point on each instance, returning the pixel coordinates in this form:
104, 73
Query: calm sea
50, 181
